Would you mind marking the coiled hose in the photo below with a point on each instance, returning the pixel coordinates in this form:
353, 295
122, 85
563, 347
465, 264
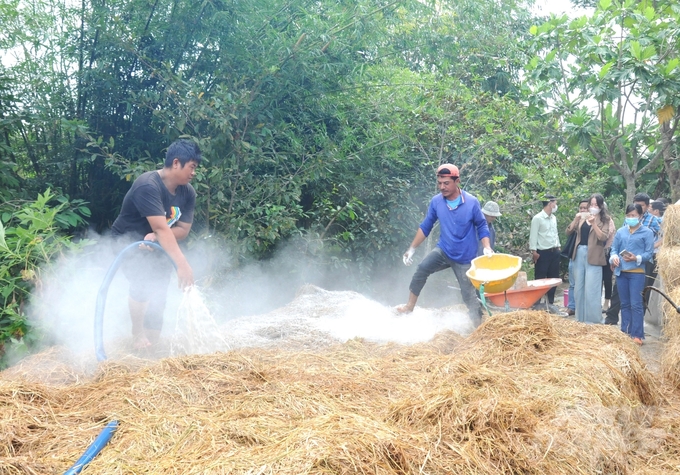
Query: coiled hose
104, 289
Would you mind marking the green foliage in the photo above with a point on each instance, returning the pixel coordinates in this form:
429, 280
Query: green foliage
30, 242
607, 76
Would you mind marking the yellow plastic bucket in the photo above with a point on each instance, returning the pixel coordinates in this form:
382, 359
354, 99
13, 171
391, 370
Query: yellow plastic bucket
497, 272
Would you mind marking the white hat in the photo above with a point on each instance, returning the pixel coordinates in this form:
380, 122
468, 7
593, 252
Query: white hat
491, 209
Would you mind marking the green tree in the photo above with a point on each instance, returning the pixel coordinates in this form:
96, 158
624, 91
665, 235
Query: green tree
613, 79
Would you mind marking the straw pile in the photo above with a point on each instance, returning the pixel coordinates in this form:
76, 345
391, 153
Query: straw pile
526, 393
668, 263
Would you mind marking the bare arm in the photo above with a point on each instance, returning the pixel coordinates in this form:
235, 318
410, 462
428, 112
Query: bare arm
181, 230
420, 237
167, 238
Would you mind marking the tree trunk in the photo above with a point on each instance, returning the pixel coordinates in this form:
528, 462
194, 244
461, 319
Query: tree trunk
630, 186
669, 159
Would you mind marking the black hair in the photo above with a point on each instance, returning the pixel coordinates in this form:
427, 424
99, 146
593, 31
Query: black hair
644, 197
183, 150
634, 207
665, 201
659, 206
584, 200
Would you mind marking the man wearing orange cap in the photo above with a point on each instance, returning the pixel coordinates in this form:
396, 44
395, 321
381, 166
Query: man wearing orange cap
461, 221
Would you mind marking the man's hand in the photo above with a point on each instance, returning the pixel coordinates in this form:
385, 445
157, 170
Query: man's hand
488, 252
408, 256
535, 255
149, 237
185, 276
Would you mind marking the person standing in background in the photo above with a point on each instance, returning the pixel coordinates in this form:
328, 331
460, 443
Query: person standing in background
655, 303
607, 272
544, 244
592, 232
491, 211
632, 248
571, 303
653, 223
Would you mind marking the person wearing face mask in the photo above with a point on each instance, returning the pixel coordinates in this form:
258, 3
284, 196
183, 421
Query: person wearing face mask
571, 305
544, 244
592, 232
652, 222
632, 249
655, 304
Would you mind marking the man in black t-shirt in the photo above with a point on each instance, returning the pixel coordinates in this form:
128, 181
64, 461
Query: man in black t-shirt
158, 207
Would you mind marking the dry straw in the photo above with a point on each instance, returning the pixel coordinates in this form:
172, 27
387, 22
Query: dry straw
670, 359
671, 226
668, 262
526, 393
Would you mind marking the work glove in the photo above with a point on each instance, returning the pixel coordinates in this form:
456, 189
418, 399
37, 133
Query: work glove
408, 256
488, 252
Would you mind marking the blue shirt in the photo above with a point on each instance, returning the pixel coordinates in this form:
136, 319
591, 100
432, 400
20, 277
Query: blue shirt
652, 222
640, 243
459, 226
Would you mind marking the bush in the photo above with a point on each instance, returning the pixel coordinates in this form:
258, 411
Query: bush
33, 239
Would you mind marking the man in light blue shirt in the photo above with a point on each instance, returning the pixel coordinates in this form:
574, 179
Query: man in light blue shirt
544, 244
461, 221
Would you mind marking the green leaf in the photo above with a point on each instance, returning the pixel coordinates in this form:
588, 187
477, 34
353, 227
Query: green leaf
605, 69
533, 30
533, 63
636, 50
648, 52
604, 4
650, 13
672, 64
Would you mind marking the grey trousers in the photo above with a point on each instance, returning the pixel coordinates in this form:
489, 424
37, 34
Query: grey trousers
436, 261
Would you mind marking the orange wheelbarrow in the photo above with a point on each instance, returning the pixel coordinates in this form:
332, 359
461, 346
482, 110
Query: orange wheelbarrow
494, 274
523, 298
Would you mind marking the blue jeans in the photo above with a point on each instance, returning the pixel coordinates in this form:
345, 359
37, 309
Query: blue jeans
587, 288
631, 285
436, 261
572, 300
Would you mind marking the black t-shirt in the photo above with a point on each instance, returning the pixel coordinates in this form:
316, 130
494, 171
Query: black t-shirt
148, 196
585, 231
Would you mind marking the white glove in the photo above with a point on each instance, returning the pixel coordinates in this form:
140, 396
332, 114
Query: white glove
488, 252
408, 256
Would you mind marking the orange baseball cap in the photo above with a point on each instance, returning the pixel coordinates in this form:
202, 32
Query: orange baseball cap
447, 169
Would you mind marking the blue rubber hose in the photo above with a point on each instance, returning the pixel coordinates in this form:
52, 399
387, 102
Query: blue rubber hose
104, 289
94, 448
